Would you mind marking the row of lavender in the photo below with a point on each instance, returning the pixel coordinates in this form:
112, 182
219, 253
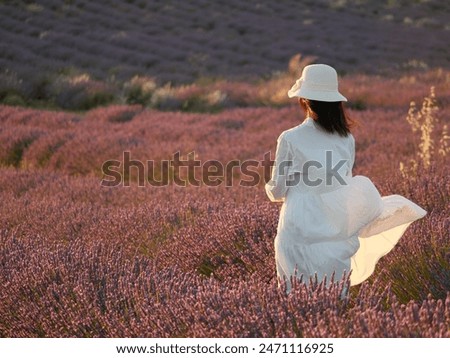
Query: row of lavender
80, 259
47, 46
179, 41
80, 144
79, 262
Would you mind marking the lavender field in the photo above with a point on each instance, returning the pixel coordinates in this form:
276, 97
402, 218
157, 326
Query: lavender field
81, 259
82, 83
78, 54
181, 40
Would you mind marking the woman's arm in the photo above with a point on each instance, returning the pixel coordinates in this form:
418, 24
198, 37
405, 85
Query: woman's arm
276, 187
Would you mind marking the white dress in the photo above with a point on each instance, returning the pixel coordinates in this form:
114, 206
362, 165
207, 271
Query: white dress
330, 220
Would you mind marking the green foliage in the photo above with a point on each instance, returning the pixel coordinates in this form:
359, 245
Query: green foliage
358, 104
14, 155
13, 99
139, 90
82, 93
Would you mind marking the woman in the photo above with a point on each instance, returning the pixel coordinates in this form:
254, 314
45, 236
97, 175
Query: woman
330, 221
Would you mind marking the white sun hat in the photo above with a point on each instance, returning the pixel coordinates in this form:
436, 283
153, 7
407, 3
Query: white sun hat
318, 82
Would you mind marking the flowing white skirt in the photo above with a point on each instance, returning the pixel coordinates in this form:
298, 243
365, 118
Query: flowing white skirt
349, 228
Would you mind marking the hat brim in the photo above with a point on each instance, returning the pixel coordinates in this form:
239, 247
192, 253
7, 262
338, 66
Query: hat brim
325, 96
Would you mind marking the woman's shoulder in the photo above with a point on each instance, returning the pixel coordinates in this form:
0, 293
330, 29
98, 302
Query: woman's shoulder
287, 133
350, 137
298, 128
306, 128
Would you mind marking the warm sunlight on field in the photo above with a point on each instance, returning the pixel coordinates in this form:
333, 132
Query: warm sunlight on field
155, 261
78, 259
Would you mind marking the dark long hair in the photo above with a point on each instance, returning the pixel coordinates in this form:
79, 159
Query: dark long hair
330, 116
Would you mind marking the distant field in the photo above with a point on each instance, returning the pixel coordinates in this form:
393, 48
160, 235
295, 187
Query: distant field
180, 41
78, 55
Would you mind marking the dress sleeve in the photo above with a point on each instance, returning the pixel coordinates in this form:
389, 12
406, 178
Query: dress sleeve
352, 156
276, 187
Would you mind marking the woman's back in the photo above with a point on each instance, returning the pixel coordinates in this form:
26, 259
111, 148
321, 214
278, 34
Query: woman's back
310, 159
323, 160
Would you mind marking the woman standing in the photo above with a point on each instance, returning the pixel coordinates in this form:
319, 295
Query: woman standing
330, 221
